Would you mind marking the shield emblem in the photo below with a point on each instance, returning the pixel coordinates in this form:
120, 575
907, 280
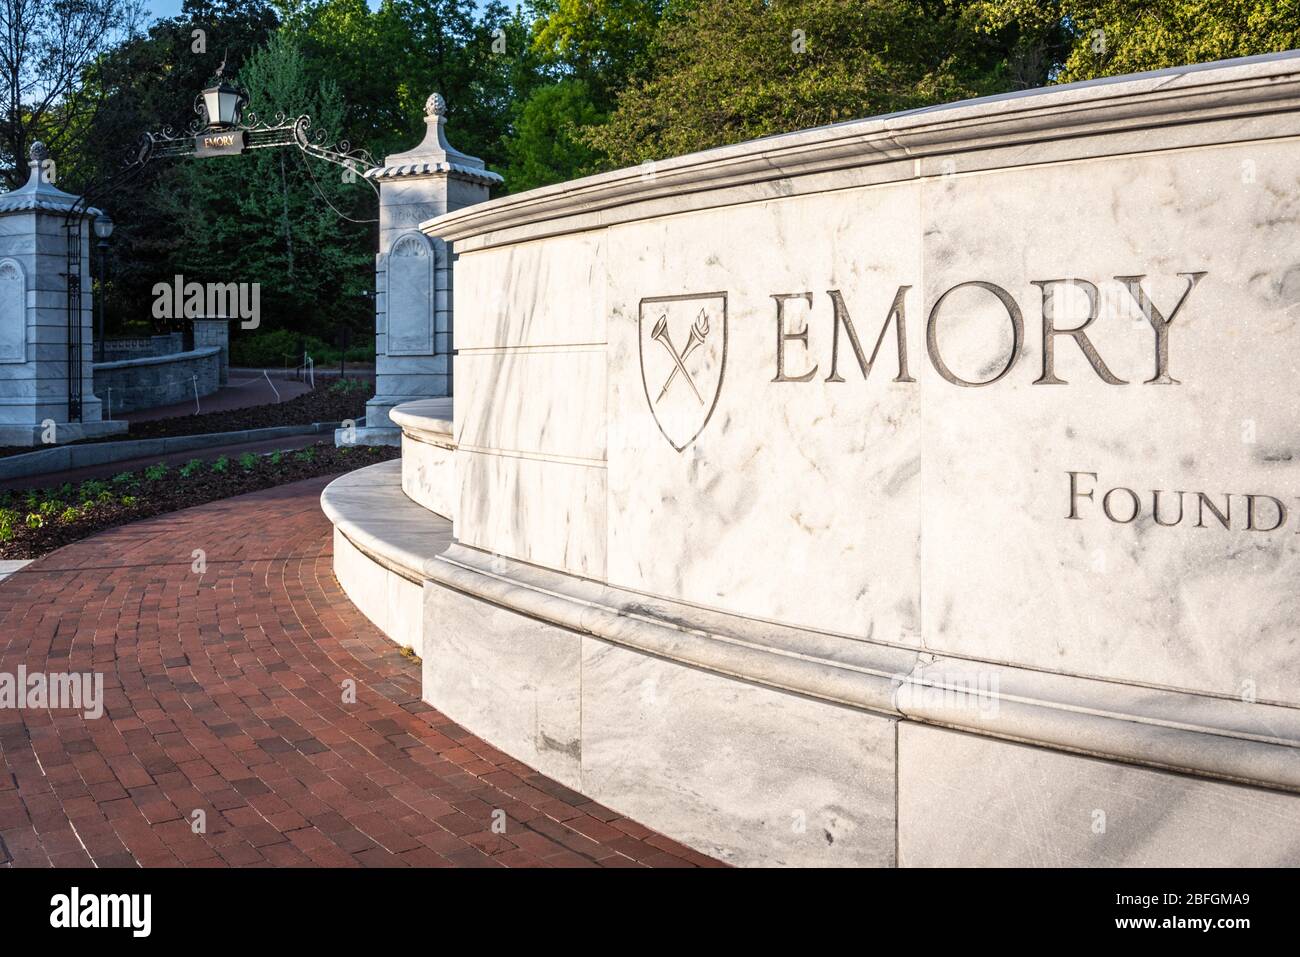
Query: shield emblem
683, 344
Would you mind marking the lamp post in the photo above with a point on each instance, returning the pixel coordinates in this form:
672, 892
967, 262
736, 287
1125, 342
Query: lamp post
103, 230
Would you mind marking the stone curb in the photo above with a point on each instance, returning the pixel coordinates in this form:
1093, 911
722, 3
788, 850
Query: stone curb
62, 458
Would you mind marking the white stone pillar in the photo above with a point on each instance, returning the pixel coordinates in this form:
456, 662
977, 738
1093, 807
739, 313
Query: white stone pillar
413, 321
34, 359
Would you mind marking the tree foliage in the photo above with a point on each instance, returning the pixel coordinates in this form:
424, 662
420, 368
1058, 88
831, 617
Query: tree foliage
45, 48
543, 90
546, 146
276, 217
730, 70
1111, 37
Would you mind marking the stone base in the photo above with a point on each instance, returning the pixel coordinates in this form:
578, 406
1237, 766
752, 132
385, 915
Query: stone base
746, 774
65, 432
972, 801
381, 542
429, 454
764, 744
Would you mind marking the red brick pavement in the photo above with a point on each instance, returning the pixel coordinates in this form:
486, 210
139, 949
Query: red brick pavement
223, 695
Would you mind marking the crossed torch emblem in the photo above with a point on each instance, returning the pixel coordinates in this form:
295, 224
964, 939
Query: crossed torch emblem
699, 332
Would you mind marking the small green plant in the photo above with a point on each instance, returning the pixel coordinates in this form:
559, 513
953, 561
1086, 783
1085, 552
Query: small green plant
347, 386
248, 461
306, 455
155, 473
90, 490
123, 478
34, 520
129, 501
69, 515
221, 465
190, 467
8, 518
276, 457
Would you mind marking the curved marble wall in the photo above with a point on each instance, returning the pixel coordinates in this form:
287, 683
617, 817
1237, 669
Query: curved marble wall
1003, 387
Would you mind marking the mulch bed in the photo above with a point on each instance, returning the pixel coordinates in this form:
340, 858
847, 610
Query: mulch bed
344, 399
146, 496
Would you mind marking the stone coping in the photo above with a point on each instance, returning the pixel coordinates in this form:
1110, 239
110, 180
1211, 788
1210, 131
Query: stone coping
370, 510
426, 420
200, 353
1119, 112
1164, 728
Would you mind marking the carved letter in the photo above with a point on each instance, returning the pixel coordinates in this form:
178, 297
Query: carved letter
1075, 494
1155, 509
896, 315
782, 336
1158, 322
1224, 517
1105, 505
1250, 514
1050, 332
1017, 332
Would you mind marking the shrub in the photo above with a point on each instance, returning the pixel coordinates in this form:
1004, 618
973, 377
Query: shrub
349, 386
155, 473
190, 467
248, 461
221, 464
265, 349
280, 347
91, 490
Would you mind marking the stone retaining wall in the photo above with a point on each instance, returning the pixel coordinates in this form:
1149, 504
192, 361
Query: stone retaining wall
146, 383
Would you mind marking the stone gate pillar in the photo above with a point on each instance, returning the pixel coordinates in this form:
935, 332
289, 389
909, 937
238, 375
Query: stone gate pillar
413, 321
35, 358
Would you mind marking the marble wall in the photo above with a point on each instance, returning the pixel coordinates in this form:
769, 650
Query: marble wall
958, 497
1005, 384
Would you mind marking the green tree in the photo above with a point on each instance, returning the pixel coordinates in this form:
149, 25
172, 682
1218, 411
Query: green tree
145, 84
45, 49
278, 218
1083, 39
604, 43
386, 62
546, 146
1111, 37
731, 70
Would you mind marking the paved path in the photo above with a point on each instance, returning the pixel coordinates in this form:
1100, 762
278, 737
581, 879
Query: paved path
243, 391
222, 694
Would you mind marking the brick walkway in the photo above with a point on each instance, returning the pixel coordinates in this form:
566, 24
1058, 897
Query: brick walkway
222, 694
